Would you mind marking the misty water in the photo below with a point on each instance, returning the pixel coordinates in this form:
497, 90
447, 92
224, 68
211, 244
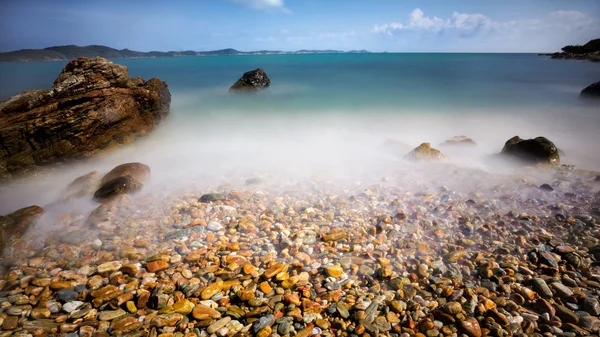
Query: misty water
326, 119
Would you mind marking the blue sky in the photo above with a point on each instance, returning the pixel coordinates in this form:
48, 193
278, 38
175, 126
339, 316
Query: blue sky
376, 25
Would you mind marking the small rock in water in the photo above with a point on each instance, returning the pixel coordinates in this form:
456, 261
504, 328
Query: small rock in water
214, 226
116, 187
138, 171
251, 81
97, 244
546, 187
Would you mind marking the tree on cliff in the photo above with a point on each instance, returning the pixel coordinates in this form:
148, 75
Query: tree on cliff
590, 47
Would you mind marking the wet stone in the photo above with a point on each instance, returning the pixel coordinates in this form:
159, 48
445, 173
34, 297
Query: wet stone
542, 288
71, 306
562, 291
109, 315
66, 295
471, 327
592, 306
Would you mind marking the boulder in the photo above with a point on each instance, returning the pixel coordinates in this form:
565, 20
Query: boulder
591, 91
138, 171
425, 152
83, 185
14, 225
251, 81
534, 151
92, 107
116, 187
459, 140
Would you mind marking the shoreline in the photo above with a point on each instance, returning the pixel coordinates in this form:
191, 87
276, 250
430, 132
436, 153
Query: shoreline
315, 259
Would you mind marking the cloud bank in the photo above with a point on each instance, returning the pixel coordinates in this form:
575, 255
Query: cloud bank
563, 23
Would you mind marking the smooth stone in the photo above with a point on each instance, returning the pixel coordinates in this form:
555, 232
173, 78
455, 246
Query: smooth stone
471, 327
67, 295
541, 287
71, 306
109, 315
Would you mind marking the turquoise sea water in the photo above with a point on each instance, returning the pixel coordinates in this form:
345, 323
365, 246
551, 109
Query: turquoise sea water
328, 115
352, 81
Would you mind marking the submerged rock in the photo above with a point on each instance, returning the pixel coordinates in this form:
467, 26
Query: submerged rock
138, 171
459, 140
251, 81
83, 185
118, 186
537, 150
92, 107
425, 152
17, 223
591, 91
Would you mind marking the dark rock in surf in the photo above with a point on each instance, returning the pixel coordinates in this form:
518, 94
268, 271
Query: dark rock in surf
591, 91
138, 171
534, 151
92, 107
211, 197
118, 186
14, 225
546, 187
251, 81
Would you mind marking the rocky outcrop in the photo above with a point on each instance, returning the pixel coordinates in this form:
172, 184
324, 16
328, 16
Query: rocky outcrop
591, 91
251, 81
539, 150
92, 107
592, 57
15, 225
425, 152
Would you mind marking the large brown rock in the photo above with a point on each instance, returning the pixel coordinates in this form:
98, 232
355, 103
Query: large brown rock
92, 107
14, 225
138, 171
425, 152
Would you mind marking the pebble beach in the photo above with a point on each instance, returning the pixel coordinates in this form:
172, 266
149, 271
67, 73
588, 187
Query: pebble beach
500, 256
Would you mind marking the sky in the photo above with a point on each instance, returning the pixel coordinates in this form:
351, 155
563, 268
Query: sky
288, 25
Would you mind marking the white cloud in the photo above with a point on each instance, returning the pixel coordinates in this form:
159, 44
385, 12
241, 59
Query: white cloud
264, 4
417, 21
465, 24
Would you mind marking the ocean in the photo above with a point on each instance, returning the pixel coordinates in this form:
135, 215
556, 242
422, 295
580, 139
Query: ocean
328, 116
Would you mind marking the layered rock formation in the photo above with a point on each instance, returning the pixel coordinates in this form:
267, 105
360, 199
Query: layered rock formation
251, 81
93, 106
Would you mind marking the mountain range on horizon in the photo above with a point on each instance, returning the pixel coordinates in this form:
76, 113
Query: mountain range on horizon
68, 52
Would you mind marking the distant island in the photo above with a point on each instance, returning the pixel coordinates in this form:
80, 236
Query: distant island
65, 53
589, 52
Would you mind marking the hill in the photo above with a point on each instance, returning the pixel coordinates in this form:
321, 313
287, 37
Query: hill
69, 52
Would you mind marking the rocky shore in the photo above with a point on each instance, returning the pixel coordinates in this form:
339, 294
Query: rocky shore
591, 57
503, 256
